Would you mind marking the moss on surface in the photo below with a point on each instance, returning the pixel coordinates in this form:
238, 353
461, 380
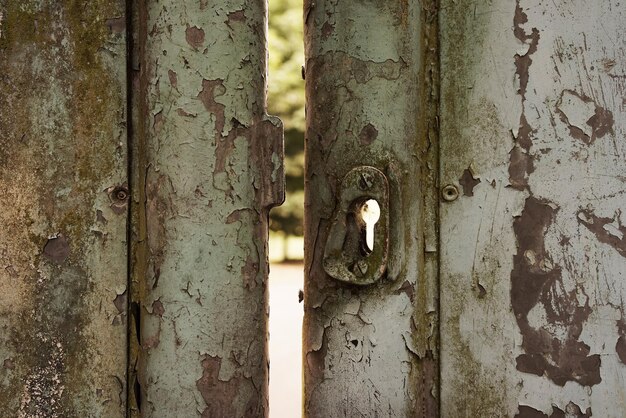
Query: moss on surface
61, 145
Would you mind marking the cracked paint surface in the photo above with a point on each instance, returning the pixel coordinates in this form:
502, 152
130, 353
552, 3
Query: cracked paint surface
370, 69
209, 168
532, 263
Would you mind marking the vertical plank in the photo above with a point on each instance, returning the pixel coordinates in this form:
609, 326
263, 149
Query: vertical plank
371, 88
63, 194
532, 262
212, 169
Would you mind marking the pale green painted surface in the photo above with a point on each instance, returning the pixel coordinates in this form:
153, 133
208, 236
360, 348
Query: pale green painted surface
532, 252
371, 100
212, 170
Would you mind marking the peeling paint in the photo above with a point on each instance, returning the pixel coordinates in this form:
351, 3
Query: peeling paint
530, 90
209, 169
536, 280
521, 163
468, 181
219, 396
571, 411
370, 69
608, 231
585, 119
117, 25
620, 345
57, 248
368, 134
194, 36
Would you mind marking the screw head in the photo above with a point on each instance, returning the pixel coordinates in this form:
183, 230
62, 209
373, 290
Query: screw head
450, 193
120, 193
365, 181
361, 267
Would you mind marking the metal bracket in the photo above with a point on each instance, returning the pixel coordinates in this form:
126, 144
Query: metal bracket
347, 255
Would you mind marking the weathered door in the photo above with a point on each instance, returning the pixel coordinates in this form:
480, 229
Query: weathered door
63, 217
371, 81
137, 168
497, 128
533, 125
208, 168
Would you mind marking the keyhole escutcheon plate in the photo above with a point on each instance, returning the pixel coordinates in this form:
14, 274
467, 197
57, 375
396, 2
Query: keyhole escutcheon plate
357, 247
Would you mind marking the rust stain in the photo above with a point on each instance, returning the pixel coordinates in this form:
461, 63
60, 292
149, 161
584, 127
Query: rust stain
157, 122
536, 281
270, 189
571, 411
57, 249
524, 135
525, 411
249, 271
521, 164
219, 396
468, 182
605, 229
100, 217
408, 289
120, 302
182, 112
601, 122
368, 134
523, 62
237, 16
349, 68
235, 216
224, 146
327, 30
173, 78
116, 25
194, 36
620, 346
316, 359
151, 342
426, 386
157, 308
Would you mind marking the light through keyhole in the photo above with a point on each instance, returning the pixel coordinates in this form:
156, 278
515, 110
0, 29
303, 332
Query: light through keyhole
370, 213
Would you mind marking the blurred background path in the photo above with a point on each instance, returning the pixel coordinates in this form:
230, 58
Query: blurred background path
285, 344
285, 99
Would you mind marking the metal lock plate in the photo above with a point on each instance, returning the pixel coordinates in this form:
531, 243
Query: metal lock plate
357, 248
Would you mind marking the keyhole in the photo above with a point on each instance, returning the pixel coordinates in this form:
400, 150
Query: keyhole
370, 213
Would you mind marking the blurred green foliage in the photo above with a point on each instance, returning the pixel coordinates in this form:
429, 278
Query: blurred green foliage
285, 99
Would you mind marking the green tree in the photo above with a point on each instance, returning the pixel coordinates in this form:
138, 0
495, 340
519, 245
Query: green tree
285, 99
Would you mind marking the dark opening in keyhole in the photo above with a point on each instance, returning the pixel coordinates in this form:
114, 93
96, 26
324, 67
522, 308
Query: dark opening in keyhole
369, 213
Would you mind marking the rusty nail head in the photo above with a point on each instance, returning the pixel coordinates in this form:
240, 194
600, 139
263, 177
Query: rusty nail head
450, 193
